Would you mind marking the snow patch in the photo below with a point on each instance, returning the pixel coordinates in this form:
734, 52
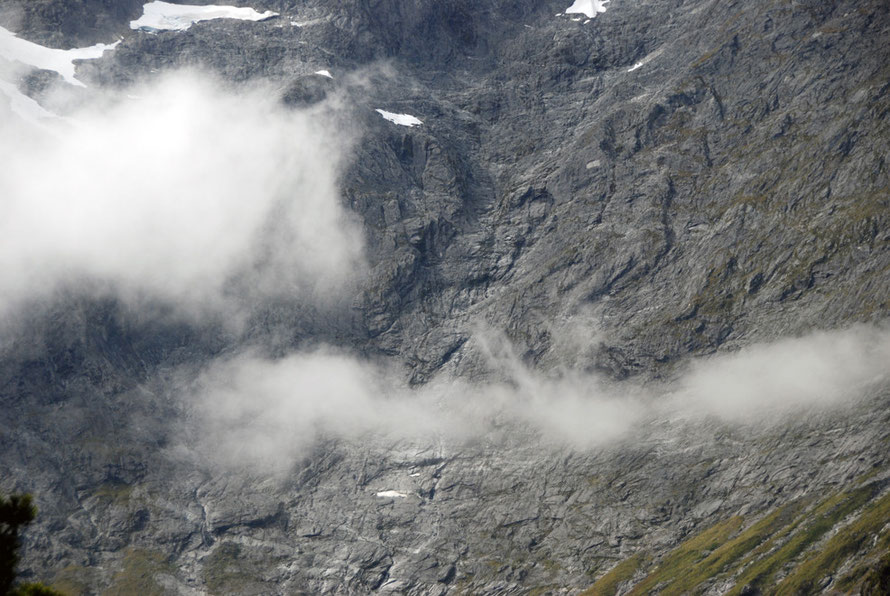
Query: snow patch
23, 106
392, 494
324, 73
587, 7
163, 16
15, 49
308, 23
400, 119
646, 60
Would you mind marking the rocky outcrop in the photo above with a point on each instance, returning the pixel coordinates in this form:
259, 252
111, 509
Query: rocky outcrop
686, 177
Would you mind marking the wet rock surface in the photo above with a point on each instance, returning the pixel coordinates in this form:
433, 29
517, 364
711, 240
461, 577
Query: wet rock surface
688, 176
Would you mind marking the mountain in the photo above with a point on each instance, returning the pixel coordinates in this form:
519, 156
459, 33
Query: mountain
443, 297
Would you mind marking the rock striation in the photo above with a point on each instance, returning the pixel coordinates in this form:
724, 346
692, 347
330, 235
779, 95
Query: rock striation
676, 178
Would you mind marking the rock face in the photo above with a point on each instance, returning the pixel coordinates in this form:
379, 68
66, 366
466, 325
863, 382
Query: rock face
687, 177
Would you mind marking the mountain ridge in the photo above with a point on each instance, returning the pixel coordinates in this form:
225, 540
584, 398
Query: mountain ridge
729, 191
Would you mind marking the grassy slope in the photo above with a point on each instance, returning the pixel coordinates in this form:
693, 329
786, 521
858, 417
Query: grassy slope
794, 549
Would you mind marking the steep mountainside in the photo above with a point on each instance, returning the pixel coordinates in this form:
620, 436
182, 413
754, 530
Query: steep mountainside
587, 202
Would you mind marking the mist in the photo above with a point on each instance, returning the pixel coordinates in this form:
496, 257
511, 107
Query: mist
259, 413
210, 198
180, 190
767, 381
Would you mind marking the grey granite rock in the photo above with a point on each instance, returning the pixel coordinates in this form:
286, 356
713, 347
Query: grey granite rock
685, 176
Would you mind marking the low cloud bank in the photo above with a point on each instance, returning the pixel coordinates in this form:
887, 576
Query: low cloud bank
261, 413
181, 191
761, 381
208, 199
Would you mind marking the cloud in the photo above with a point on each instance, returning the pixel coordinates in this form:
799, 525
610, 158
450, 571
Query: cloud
261, 413
768, 380
211, 199
179, 190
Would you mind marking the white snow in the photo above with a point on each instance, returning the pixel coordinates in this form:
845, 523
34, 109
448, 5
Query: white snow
646, 60
15, 49
324, 73
307, 23
414, 475
392, 494
23, 106
587, 7
400, 119
163, 16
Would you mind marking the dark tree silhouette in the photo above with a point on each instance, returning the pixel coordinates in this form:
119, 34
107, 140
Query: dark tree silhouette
16, 512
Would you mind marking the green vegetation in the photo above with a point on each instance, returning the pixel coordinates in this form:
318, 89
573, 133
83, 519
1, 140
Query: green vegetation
620, 573
728, 553
874, 568
791, 550
877, 581
229, 570
16, 512
117, 494
825, 516
837, 549
33, 589
780, 536
688, 555
74, 580
137, 576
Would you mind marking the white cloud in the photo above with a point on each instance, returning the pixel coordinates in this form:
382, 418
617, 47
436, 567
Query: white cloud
261, 413
191, 194
768, 380
23, 107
